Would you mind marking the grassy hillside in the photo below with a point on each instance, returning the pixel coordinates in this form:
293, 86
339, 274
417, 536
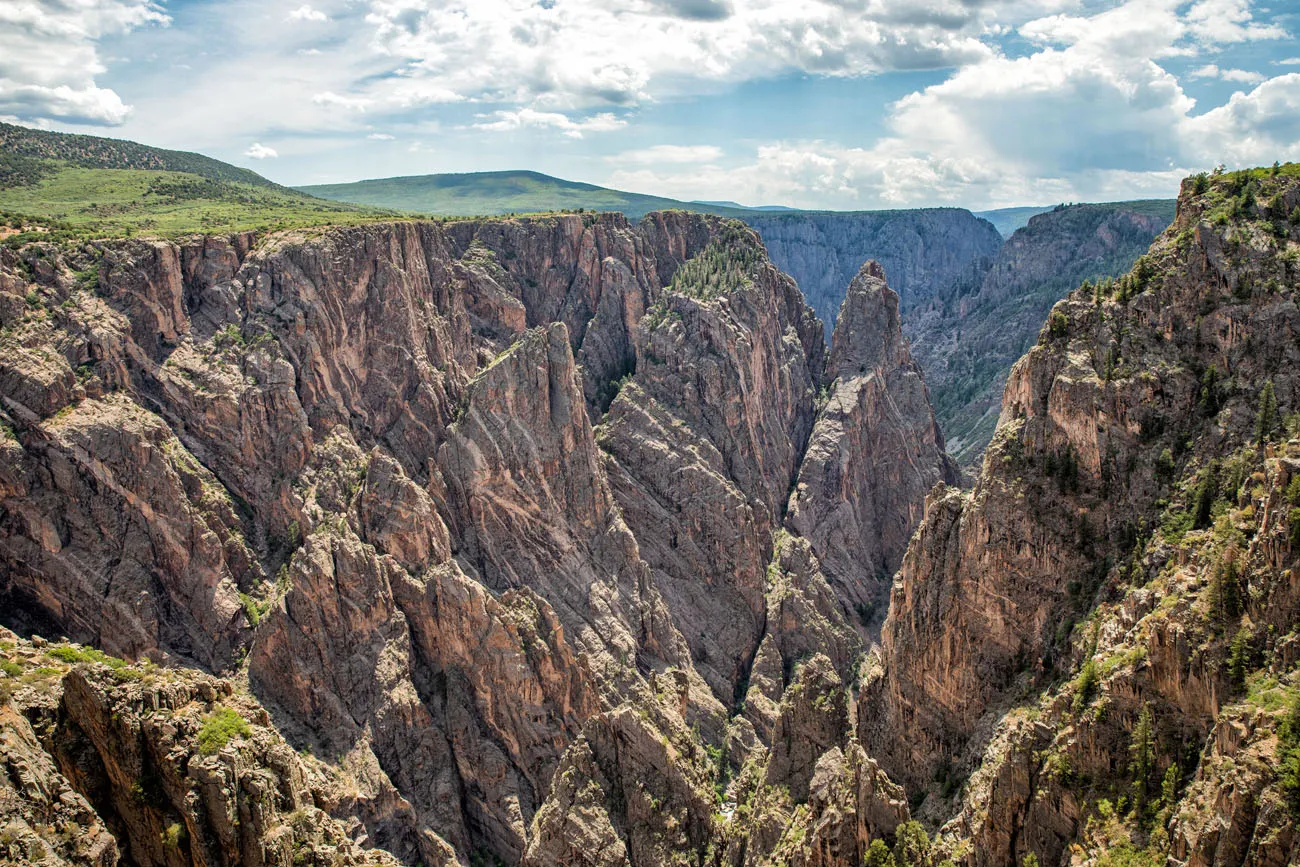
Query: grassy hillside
61, 186
490, 193
26, 155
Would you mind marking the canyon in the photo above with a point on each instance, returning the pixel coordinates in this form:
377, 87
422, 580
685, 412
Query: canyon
569, 540
972, 302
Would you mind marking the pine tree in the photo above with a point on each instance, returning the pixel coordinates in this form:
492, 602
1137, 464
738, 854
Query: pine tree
1142, 752
1225, 595
1203, 503
1239, 659
1266, 419
1209, 401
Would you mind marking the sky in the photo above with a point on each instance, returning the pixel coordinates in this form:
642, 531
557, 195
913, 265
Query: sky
844, 104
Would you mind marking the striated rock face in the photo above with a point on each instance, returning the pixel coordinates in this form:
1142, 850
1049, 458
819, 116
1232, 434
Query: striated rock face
468, 504
35, 800
635, 788
706, 440
1139, 479
966, 343
873, 455
930, 253
179, 766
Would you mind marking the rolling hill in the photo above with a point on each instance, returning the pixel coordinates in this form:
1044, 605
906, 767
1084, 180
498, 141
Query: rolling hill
496, 193
78, 186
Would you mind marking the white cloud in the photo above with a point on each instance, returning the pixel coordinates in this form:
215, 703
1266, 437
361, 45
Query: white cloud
306, 13
1226, 21
49, 57
1290, 61
380, 136
1253, 128
1090, 115
1210, 70
1243, 75
528, 118
334, 100
259, 151
582, 53
668, 154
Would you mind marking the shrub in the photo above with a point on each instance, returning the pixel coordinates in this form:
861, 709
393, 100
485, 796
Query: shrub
220, 726
1085, 688
878, 855
1058, 324
174, 837
912, 844
72, 655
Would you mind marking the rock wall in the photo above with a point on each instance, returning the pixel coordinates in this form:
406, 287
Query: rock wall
929, 253
1069, 643
967, 344
467, 504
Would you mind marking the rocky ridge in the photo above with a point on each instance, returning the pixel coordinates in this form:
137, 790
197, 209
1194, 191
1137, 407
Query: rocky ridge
466, 503
1075, 647
971, 303
967, 344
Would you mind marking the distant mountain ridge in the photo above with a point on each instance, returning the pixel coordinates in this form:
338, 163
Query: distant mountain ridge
497, 193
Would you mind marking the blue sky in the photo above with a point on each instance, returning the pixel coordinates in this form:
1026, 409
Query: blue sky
817, 103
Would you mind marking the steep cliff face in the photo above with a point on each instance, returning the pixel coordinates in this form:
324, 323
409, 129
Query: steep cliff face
967, 343
933, 253
1103, 631
875, 453
472, 506
180, 767
706, 440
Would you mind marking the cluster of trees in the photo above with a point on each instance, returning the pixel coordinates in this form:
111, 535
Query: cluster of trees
728, 263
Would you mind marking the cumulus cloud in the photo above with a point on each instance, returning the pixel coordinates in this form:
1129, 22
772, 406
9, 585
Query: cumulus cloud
1211, 70
583, 53
1228, 21
380, 136
1252, 128
660, 154
49, 58
306, 13
1089, 115
528, 118
259, 151
334, 100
